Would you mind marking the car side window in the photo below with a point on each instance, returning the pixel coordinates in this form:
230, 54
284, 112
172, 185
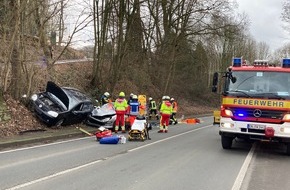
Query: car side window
87, 107
79, 107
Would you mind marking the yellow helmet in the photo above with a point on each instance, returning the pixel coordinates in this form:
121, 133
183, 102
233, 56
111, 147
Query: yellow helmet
122, 94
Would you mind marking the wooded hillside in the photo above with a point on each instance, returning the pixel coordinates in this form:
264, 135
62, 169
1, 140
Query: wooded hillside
152, 47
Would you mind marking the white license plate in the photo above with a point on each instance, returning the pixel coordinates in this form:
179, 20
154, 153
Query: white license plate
254, 126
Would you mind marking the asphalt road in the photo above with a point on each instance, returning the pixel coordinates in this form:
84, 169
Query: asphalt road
188, 157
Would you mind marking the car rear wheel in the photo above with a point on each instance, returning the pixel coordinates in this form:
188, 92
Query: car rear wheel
288, 149
226, 142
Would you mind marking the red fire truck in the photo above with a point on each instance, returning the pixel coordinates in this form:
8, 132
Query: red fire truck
255, 102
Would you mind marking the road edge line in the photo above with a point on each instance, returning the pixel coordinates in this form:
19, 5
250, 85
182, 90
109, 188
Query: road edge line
193, 130
240, 178
53, 175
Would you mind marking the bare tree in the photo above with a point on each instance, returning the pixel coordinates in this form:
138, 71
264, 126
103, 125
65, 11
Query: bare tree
25, 31
286, 14
163, 34
61, 23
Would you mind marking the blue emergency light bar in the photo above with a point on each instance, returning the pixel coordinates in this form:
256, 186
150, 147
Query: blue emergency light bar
286, 63
237, 62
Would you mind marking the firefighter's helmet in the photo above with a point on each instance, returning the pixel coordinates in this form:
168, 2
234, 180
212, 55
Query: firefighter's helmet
107, 94
121, 94
134, 97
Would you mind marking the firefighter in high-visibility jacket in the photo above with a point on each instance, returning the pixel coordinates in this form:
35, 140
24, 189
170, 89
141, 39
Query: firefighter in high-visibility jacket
159, 106
152, 108
165, 111
121, 106
174, 111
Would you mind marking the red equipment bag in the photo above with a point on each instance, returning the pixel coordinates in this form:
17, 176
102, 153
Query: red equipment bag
132, 119
105, 133
110, 140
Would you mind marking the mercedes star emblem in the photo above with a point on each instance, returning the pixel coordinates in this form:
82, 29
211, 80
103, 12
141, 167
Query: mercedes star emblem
257, 113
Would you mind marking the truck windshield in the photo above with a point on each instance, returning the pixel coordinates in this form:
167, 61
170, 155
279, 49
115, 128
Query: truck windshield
262, 84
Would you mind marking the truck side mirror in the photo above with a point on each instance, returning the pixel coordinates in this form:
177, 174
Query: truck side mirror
214, 82
234, 79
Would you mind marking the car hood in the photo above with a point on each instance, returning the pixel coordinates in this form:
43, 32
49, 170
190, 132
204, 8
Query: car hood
105, 110
52, 88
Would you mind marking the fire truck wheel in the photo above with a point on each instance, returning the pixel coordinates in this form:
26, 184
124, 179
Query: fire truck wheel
288, 149
226, 142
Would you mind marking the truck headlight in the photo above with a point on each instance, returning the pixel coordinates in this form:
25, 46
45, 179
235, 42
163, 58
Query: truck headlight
286, 118
52, 113
227, 125
34, 97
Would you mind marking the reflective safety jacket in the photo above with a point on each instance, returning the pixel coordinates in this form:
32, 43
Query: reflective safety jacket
174, 105
134, 107
152, 105
121, 105
166, 108
159, 106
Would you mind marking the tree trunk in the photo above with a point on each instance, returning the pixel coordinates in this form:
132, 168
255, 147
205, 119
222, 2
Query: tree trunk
61, 24
15, 56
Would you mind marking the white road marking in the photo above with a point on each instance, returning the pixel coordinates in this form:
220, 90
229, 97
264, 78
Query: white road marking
238, 182
53, 175
43, 145
193, 130
97, 161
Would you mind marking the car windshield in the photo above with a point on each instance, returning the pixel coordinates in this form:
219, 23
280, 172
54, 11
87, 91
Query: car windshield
75, 96
58, 101
274, 85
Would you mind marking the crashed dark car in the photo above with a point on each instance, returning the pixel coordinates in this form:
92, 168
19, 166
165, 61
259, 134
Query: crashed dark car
61, 105
104, 116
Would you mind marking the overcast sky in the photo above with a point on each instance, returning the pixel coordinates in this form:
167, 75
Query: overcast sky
266, 23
